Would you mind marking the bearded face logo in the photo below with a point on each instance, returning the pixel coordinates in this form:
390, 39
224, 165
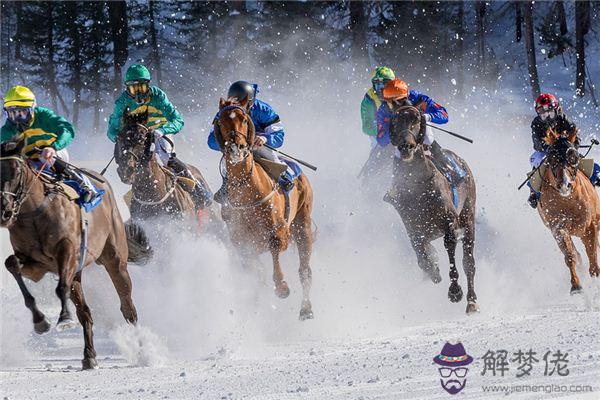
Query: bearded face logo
452, 362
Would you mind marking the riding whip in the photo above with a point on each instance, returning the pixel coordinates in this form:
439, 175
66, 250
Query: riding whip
466, 139
531, 173
293, 158
77, 168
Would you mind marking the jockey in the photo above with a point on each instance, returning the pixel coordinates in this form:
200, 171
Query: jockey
42, 129
269, 130
163, 119
550, 115
372, 101
396, 94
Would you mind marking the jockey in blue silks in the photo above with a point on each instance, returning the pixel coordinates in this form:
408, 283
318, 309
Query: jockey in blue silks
269, 130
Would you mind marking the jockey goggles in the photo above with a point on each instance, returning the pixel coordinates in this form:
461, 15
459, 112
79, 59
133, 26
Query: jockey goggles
138, 88
547, 112
18, 114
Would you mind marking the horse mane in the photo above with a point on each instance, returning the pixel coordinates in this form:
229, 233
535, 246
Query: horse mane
133, 118
12, 147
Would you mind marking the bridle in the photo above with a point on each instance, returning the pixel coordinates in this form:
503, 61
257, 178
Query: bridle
410, 132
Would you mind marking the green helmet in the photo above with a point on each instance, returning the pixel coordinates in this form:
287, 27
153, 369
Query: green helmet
137, 72
383, 74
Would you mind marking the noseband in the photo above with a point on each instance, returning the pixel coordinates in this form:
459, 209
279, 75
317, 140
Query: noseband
233, 132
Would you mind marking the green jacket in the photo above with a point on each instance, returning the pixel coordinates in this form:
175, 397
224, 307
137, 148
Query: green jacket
368, 112
161, 113
46, 129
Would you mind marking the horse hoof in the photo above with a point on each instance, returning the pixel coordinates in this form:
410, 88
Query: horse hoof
472, 308
89, 363
282, 290
455, 293
306, 314
576, 290
42, 327
65, 324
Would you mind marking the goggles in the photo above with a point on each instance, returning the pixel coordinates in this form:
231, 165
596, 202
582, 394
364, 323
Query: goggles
546, 112
137, 88
19, 114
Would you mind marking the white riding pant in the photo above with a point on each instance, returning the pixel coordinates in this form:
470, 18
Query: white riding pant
163, 149
427, 140
536, 158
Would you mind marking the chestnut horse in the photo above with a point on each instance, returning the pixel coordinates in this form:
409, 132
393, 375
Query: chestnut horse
45, 229
569, 204
256, 214
424, 200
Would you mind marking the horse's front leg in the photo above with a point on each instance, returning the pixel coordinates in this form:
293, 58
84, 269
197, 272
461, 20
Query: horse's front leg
426, 258
84, 315
281, 287
67, 265
41, 324
469, 267
565, 243
455, 293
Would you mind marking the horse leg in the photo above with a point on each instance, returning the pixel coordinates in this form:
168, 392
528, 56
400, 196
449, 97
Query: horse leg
565, 243
116, 267
84, 315
302, 232
281, 287
41, 324
469, 267
67, 264
455, 293
590, 240
427, 258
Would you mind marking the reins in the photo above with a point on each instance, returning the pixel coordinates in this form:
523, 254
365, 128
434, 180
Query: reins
21, 194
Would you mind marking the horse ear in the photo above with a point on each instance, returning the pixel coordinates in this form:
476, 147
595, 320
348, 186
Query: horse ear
422, 128
572, 136
218, 136
221, 103
550, 137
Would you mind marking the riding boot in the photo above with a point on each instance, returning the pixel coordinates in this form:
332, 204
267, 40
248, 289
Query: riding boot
446, 164
534, 197
595, 178
286, 181
221, 194
86, 192
200, 193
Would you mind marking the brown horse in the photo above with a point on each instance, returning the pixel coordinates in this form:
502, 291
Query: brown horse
423, 198
157, 191
256, 214
45, 230
569, 204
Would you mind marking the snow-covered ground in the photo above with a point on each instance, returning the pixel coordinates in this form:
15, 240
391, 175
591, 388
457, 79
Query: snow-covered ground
209, 330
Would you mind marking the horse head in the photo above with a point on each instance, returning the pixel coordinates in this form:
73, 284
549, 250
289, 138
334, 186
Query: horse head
134, 146
407, 130
12, 175
234, 130
563, 159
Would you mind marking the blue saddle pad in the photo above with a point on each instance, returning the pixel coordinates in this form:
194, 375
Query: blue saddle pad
455, 178
294, 167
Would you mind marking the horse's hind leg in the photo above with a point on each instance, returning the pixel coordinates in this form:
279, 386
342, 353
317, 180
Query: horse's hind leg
427, 258
590, 240
302, 232
455, 293
469, 266
67, 264
565, 243
40, 322
85, 318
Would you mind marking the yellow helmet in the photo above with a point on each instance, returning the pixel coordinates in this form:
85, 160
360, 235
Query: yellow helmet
19, 96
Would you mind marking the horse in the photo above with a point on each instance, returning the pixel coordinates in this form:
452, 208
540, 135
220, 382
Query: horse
569, 204
46, 231
429, 207
256, 215
156, 191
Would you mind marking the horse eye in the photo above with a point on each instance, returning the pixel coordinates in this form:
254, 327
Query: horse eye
245, 122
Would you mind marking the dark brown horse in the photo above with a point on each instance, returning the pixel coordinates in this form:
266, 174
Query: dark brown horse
157, 191
423, 198
45, 230
569, 204
256, 214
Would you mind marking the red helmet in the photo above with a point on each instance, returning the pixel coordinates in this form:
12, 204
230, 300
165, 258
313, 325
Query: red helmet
546, 101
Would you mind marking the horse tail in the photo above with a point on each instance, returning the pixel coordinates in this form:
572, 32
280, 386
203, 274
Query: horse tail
140, 251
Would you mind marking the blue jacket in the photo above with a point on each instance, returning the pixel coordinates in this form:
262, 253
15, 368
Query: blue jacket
439, 115
266, 122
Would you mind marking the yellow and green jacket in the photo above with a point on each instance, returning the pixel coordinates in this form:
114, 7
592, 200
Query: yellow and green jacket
46, 129
161, 113
368, 112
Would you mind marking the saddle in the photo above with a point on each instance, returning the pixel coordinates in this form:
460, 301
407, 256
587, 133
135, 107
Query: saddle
70, 188
452, 171
586, 165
